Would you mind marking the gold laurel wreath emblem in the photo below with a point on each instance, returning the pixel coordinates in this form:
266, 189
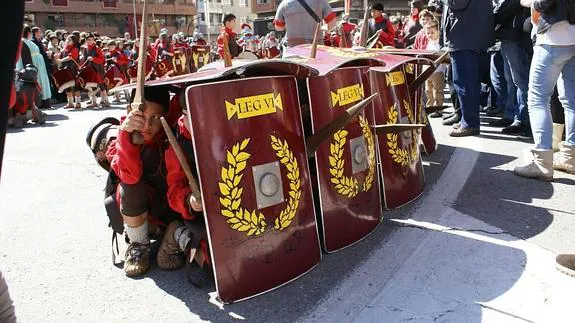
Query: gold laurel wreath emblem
401, 156
252, 222
349, 186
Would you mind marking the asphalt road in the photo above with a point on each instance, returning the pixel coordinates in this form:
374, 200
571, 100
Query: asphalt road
55, 244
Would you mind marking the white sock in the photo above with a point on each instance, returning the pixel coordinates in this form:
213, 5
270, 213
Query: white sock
138, 234
182, 236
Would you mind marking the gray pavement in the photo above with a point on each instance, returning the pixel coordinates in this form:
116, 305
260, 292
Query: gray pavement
478, 246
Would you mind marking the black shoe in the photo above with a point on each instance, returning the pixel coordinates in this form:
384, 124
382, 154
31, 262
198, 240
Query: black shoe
495, 113
455, 118
503, 122
436, 114
464, 132
525, 132
448, 115
513, 129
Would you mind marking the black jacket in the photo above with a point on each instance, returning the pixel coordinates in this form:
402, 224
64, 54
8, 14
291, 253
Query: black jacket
552, 11
468, 24
510, 18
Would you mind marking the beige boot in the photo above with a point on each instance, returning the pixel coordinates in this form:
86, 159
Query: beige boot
564, 160
541, 167
137, 260
557, 135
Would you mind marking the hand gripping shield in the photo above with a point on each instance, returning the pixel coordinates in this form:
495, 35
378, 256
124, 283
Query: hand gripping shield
346, 178
254, 178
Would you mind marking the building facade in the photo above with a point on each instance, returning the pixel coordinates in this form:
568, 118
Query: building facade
211, 12
265, 9
110, 17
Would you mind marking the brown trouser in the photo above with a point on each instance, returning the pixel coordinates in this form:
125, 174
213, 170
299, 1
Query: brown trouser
7, 314
434, 89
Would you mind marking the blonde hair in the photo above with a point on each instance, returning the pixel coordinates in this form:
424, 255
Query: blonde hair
425, 13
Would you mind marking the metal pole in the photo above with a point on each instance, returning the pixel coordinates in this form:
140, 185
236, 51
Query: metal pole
135, 20
207, 13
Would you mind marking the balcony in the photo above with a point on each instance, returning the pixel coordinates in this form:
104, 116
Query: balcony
159, 7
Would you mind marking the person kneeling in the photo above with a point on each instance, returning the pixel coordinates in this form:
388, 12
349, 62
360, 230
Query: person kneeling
183, 241
140, 169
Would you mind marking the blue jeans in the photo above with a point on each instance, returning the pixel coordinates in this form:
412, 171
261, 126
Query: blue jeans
467, 83
551, 65
498, 80
518, 58
511, 108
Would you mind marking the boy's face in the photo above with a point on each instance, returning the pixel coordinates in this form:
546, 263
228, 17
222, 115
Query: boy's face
424, 20
90, 41
186, 120
111, 48
414, 11
432, 33
231, 24
375, 13
152, 123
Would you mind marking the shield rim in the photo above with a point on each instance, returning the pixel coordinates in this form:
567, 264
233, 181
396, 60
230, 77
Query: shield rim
204, 202
319, 182
213, 74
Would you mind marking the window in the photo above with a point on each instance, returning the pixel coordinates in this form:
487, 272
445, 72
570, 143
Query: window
59, 3
263, 1
243, 3
89, 20
202, 17
56, 20
110, 4
216, 18
243, 20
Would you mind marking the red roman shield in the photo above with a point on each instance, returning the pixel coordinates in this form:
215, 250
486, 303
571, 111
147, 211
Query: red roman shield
399, 154
254, 177
346, 181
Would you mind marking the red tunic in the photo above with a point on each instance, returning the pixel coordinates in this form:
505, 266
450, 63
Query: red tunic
420, 40
387, 38
231, 37
121, 58
95, 52
178, 186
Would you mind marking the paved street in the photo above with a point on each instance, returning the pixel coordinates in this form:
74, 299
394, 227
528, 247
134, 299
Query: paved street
479, 245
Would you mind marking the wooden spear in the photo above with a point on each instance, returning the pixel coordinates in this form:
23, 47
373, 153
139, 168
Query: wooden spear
183, 161
139, 101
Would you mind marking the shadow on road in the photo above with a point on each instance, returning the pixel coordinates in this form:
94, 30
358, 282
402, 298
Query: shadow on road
483, 281
502, 199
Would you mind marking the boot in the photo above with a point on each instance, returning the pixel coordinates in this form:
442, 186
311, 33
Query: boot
557, 135
117, 97
104, 102
93, 103
170, 255
137, 260
565, 263
455, 118
78, 101
564, 160
70, 98
541, 167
